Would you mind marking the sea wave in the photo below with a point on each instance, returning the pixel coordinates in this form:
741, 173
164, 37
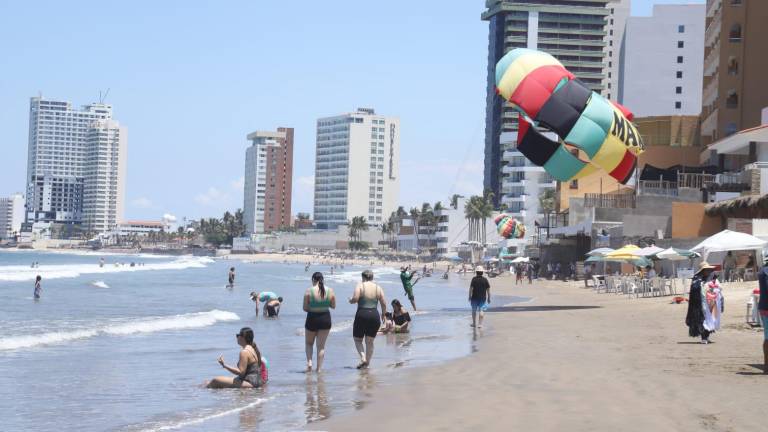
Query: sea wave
20, 273
173, 425
99, 284
140, 325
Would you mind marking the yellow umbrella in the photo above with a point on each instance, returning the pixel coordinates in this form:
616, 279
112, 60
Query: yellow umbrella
625, 253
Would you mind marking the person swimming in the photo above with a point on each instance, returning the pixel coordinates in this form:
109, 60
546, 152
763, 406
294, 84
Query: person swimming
251, 370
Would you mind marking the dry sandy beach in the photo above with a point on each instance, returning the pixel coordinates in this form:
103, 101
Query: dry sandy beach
575, 360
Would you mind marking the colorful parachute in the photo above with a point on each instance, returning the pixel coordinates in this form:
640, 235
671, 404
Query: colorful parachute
509, 227
549, 96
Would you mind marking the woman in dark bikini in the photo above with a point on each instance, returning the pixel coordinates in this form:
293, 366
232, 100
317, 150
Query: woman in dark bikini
251, 372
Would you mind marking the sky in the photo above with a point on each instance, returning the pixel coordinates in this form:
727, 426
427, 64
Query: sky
190, 79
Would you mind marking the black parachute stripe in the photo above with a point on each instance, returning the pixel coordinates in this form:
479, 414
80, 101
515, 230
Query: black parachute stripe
534, 145
629, 173
563, 109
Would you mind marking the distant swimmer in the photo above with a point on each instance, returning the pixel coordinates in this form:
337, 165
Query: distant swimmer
318, 300
251, 369
38, 287
231, 277
101, 262
406, 278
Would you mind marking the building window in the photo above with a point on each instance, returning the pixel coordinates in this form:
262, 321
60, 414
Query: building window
733, 66
609, 74
678, 90
680, 44
679, 59
609, 85
730, 129
735, 34
574, 184
732, 101
610, 32
679, 74
611, 21
610, 43
681, 29
678, 105
735, 2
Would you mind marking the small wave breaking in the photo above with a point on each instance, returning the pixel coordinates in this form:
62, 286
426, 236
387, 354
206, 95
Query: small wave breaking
25, 273
141, 325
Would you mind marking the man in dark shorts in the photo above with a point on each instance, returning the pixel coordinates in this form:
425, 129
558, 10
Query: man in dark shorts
405, 278
231, 277
479, 296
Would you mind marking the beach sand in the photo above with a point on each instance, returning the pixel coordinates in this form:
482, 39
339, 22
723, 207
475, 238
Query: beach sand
618, 364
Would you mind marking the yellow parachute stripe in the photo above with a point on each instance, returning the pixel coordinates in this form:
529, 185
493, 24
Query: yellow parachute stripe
519, 69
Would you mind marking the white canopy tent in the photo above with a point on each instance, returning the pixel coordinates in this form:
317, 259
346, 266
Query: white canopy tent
521, 260
728, 240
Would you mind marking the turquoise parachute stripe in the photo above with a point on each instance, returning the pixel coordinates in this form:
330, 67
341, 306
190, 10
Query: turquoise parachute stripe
560, 84
510, 57
593, 125
563, 165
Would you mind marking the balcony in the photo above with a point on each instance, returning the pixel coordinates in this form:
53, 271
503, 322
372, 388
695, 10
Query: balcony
712, 33
610, 200
709, 124
712, 61
712, 7
710, 93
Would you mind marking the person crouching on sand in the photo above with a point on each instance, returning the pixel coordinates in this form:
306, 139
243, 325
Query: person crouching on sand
479, 296
251, 370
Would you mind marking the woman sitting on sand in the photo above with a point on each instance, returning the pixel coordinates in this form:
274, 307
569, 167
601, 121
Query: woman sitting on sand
400, 318
251, 371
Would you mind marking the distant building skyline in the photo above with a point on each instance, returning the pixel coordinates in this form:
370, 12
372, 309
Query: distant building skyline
76, 165
664, 61
11, 215
267, 181
357, 168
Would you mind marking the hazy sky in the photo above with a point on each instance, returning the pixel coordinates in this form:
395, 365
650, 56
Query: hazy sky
190, 79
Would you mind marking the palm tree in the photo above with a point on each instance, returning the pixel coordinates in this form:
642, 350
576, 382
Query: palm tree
455, 200
415, 218
357, 225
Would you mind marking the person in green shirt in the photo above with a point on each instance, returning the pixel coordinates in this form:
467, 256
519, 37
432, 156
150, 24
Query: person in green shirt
406, 277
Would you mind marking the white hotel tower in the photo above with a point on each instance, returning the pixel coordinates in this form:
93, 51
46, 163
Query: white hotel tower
76, 165
356, 168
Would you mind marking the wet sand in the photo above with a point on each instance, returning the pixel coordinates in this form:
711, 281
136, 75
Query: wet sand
575, 360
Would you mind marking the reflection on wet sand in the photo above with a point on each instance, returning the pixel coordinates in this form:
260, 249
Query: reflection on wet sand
249, 417
317, 405
365, 384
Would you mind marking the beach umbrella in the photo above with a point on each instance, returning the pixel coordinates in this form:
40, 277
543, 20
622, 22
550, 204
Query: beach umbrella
520, 260
596, 258
674, 254
625, 253
648, 251
599, 251
454, 258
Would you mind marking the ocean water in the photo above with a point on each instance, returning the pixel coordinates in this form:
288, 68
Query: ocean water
121, 348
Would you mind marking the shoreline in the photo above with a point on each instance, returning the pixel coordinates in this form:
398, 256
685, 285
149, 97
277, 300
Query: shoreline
572, 359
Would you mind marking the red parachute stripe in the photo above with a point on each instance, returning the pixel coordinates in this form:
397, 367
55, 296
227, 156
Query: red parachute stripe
623, 170
534, 90
627, 113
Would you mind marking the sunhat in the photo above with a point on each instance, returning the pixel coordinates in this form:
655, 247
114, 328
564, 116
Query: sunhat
479, 269
705, 266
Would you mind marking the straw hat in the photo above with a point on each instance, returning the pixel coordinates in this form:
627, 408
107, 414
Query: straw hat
704, 266
479, 269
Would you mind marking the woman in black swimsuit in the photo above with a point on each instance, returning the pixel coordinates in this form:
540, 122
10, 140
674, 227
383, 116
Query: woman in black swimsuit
400, 317
250, 371
367, 319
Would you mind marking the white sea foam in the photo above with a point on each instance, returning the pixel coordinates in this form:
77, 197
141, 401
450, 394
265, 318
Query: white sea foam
21, 273
204, 418
99, 284
141, 325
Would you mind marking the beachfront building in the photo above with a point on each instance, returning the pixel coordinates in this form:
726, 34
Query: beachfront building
735, 66
356, 168
140, 228
664, 61
268, 181
579, 34
11, 215
76, 165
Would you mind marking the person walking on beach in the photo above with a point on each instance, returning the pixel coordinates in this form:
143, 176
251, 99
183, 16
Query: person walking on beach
231, 277
317, 301
479, 296
367, 319
38, 287
696, 318
251, 370
406, 278
729, 264
762, 307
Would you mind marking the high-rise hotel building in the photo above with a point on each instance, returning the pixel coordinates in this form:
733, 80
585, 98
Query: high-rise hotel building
735, 67
586, 37
356, 168
76, 165
268, 181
